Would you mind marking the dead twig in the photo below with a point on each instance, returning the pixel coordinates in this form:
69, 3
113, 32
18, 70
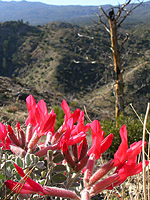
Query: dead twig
143, 151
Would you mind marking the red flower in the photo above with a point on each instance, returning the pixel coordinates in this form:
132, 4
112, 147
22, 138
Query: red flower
70, 139
45, 121
31, 104
99, 144
68, 114
130, 168
123, 153
4, 137
80, 125
21, 188
29, 187
38, 116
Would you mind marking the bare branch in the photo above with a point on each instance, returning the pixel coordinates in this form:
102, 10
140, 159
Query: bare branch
128, 13
104, 13
121, 9
85, 36
124, 41
104, 24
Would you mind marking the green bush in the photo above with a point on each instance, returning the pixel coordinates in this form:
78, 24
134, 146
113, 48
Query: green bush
134, 130
59, 117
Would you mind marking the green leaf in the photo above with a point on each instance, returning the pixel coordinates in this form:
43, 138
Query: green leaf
59, 178
2, 176
42, 182
19, 162
59, 168
58, 158
34, 158
27, 160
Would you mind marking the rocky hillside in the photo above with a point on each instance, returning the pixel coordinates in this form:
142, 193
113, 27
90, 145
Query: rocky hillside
61, 60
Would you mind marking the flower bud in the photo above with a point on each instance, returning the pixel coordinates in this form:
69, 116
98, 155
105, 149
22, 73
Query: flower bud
29, 133
100, 186
12, 136
33, 141
59, 192
68, 156
18, 150
81, 164
89, 170
101, 172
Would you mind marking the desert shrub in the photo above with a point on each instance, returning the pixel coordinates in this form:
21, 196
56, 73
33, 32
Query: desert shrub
134, 129
59, 116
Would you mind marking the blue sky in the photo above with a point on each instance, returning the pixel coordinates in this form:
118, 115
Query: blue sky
80, 2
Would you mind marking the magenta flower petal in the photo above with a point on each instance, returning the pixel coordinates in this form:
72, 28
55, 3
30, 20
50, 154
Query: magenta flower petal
135, 149
66, 109
106, 143
76, 139
4, 138
30, 101
99, 144
121, 152
76, 115
47, 124
20, 188
96, 129
41, 111
129, 168
29, 181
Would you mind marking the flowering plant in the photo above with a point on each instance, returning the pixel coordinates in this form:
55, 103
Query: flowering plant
62, 161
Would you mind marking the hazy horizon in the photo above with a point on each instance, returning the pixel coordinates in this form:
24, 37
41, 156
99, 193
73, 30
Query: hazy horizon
78, 2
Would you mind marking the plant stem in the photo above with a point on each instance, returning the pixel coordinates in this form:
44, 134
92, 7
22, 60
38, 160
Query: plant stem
74, 176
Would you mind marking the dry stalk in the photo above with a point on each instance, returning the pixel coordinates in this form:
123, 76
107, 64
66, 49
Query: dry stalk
138, 117
143, 152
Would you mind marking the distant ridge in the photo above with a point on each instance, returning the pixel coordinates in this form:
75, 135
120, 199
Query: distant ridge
37, 13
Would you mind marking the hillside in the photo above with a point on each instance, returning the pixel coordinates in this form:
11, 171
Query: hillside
61, 60
38, 13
